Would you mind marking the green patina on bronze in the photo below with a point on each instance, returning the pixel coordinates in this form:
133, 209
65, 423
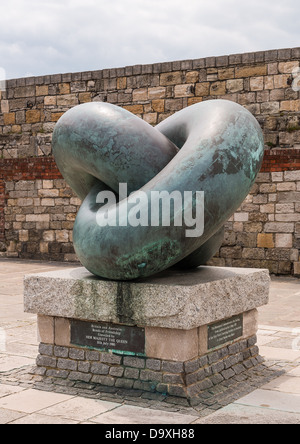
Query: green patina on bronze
215, 146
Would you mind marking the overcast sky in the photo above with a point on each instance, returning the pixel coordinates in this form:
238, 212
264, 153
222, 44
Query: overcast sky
40, 37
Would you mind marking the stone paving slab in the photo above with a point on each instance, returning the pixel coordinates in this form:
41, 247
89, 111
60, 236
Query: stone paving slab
295, 371
8, 416
270, 396
271, 399
8, 363
80, 409
283, 309
280, 353
285, 384
136, 415
6, 390
30, 401
244, 414
37, 418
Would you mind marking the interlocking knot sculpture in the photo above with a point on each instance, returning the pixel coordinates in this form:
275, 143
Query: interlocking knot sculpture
197, 166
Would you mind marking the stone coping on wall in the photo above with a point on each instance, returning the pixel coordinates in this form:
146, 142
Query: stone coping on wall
223, 61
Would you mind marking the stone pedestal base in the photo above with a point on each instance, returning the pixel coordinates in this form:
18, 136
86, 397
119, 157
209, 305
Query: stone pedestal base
176, 333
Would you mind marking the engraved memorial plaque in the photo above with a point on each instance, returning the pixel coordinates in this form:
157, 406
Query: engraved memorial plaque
105, 336
225, 331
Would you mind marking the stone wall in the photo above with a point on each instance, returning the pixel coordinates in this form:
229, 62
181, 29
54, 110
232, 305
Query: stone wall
37, 209
265, 232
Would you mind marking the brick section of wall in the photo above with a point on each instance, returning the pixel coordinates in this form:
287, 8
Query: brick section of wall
29, 169
287, 159
37, 209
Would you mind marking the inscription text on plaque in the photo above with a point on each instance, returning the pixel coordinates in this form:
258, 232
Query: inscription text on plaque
225, 331
107, 336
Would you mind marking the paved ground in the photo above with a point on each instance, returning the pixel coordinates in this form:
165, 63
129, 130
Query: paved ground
277, 401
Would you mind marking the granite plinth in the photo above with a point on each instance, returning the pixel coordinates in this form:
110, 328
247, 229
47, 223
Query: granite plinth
171, 299
177, 333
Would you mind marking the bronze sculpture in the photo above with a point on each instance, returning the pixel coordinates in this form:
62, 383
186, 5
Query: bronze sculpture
212, 150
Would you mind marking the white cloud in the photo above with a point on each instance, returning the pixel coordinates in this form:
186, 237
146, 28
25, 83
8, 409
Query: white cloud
50, 36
